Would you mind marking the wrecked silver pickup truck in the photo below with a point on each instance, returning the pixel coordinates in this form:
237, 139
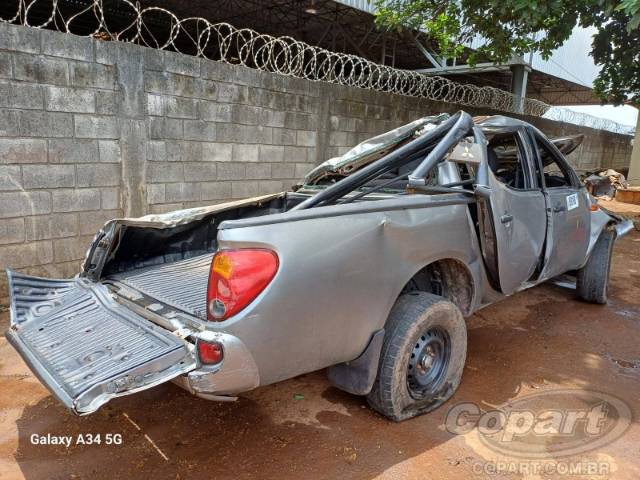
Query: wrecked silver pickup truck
368, 267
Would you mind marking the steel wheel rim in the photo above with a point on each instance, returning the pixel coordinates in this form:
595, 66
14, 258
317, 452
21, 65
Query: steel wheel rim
428, 362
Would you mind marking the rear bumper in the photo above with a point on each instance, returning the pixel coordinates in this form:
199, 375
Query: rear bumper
235, 374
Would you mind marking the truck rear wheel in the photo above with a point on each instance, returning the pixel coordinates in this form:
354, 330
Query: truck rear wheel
592, 280
422, 358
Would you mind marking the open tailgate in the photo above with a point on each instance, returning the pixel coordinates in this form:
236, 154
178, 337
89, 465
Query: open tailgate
85, 347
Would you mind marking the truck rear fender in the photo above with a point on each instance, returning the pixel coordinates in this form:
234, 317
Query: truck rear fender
447, 277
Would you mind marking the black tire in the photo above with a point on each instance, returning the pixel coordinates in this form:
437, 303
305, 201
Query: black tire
592, 280
424, 320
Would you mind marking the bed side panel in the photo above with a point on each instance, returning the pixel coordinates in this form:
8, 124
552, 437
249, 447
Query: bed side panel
338, 279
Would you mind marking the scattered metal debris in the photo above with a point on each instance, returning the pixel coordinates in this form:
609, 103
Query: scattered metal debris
606, 183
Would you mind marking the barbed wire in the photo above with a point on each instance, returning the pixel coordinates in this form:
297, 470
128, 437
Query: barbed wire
284, 55
579, 118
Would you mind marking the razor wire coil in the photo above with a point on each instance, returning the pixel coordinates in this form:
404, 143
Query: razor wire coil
283, 55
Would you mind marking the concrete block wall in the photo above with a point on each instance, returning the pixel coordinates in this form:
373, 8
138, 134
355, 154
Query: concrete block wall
599, 149
219, 132
59, 151
91, 130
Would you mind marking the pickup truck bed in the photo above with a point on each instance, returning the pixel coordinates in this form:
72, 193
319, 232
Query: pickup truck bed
181, 284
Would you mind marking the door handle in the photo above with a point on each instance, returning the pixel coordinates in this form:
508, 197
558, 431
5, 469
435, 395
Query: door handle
559, 208
506, 218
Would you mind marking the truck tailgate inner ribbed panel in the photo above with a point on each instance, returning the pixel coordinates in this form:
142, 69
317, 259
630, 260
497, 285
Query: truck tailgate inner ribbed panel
181, 284
83, 341
34, 296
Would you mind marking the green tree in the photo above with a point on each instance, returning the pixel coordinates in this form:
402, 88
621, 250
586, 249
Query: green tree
517, 27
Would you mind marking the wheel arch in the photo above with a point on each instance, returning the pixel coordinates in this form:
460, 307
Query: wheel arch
448, 277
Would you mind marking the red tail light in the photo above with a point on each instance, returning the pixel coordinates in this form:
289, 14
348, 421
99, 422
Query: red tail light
236, 278
210, 353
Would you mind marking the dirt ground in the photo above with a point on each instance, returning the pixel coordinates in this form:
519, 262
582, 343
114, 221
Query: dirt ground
539, 340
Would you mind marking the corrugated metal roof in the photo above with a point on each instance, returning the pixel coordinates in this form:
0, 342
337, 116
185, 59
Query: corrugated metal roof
570, 62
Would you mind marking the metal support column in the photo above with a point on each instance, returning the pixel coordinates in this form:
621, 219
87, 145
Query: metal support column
519, 76
634, 165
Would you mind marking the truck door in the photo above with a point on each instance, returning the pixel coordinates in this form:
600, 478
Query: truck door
567, 208
516, 208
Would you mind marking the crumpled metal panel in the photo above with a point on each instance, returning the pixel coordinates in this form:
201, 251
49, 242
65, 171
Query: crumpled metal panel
182, 217
181, 284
